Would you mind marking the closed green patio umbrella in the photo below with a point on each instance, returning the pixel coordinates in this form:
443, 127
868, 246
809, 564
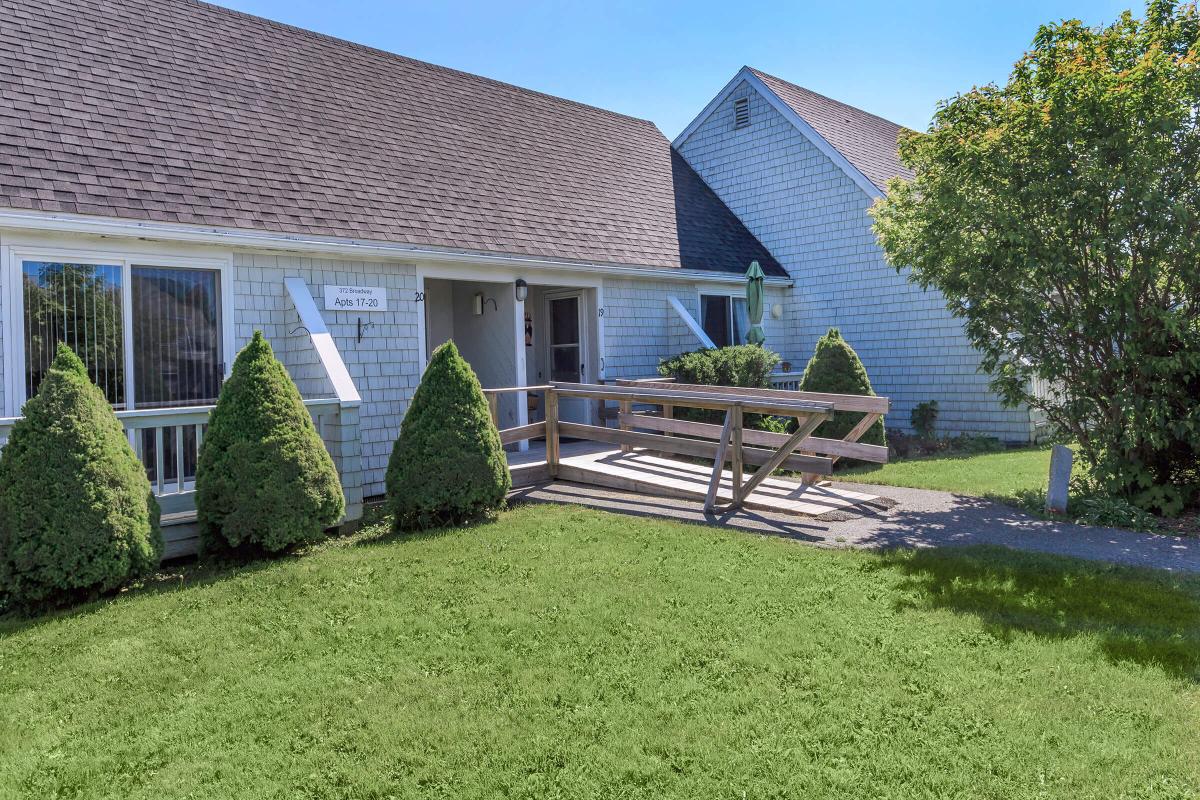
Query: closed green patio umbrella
754, 303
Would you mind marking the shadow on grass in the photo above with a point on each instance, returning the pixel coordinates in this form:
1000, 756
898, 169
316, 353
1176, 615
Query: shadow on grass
190, 572
176, 575
689, 512
1147, 618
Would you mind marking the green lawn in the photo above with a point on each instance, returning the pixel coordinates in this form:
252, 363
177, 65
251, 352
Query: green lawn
569, 653
1004, 474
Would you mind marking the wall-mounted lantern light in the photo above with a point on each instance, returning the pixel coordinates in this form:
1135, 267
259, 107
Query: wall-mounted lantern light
477, 304
777, 311
522, 289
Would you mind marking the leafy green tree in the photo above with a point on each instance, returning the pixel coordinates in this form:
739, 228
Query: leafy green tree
836, 369
264, 478
448, 466
1059, 216
77, 516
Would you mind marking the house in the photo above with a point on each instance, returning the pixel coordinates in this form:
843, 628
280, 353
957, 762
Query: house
801, 171
175, 175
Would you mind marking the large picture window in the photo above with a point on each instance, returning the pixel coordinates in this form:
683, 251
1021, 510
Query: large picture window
724, 319
176, 337
172, 352
80, 304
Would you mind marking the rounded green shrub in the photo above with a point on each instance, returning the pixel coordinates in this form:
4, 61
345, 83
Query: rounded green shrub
447, 466
836, 369
264, 479
77, 516
745, 365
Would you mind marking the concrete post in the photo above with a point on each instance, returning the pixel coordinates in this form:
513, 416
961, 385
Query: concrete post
1060, 479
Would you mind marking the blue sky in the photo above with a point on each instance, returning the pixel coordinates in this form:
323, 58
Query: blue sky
664, 61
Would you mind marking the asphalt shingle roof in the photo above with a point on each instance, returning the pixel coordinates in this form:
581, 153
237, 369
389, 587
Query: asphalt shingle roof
865, 140
184, 112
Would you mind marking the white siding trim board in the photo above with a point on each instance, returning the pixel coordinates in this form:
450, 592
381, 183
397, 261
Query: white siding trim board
264, 241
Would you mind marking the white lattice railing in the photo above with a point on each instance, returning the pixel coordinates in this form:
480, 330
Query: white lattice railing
788, 381
167, 440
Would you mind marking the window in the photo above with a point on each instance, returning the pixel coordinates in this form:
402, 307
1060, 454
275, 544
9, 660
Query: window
176, 337
173, 348
80, 304
724, 318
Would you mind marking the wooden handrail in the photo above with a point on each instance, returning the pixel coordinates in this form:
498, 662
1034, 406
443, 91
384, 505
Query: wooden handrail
515, 389
706, 400
841, 402
838, 448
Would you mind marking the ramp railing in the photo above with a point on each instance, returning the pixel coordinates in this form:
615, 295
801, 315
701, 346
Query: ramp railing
731, 443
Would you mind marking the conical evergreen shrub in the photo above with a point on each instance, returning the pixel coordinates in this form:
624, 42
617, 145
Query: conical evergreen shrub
448, 466
836, 368
77, 516
264, 479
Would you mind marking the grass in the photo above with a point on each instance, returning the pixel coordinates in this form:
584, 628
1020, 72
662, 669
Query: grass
1007, 474
562, 652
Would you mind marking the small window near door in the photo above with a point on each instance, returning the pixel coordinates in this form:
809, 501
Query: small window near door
724, 318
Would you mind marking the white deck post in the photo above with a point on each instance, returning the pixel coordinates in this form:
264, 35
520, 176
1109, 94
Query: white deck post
519, 364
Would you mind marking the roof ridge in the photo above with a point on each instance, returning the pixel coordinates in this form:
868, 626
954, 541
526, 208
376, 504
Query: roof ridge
769, 76
379, 51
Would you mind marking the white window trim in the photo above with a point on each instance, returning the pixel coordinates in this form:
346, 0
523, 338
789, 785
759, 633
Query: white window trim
705, 291
11, 265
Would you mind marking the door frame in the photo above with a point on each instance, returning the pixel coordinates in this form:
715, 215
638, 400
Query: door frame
584, 340
582, 295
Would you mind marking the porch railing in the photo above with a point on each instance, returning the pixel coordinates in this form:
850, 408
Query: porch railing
167, 440
786, 381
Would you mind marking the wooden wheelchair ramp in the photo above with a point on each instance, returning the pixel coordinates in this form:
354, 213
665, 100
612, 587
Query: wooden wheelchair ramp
646, 473
647, 432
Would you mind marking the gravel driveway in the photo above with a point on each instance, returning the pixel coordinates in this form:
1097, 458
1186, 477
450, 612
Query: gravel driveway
915, 518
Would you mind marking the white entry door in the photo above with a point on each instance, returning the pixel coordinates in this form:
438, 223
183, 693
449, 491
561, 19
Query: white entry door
566, 349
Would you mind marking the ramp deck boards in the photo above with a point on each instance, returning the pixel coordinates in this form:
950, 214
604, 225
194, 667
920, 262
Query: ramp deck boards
644, 472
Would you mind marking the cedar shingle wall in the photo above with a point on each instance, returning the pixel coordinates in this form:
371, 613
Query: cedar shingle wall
383, 365
814, 220
641, 328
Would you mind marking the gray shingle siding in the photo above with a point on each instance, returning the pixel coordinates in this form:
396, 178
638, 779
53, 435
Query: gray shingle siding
384, 365
813, 219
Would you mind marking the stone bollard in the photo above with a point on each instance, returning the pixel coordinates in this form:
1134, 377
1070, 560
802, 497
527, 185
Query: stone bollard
1060, 479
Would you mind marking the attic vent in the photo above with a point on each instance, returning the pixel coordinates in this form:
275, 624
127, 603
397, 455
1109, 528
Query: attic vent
741, 112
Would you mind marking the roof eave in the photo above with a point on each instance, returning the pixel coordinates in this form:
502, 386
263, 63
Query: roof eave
746, 74
42, 221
